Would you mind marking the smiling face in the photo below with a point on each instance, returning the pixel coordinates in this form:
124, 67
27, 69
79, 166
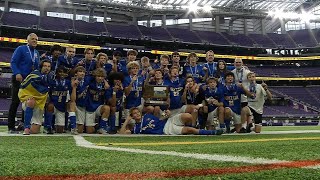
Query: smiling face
46, 67
189, 82
212, 84
32, 40
131, 57
136, 115
175, 58
89, 55
71, 52
210, 56
252, 77
80, 75
102, 60
221, 65
238, 63
158, 75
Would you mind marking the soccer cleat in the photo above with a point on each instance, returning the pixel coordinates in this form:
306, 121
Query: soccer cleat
249, 128
20, 127
102, 131
74, 131
50, 131
233, 130
243, 130
219, 132
26, 131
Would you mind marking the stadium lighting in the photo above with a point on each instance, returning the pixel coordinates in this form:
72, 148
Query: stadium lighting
306, 17
193, 8
207, 8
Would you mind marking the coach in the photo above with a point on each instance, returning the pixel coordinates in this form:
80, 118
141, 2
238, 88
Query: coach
24, 60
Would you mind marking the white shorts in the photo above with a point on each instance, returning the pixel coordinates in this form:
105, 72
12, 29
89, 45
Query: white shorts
37, 117
126, 111
211, 117
235, 117
173, 125
91, 116
174, 112
60, 118
81, 115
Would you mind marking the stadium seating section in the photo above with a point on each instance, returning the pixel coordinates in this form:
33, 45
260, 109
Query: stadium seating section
293, 39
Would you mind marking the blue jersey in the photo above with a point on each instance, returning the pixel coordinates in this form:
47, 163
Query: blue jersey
191, 97
134, 98
195, 71
122, 67
175, 89
59, 91
149, 124
232, 97
119, 98
68, 63
215, 94
89, 66
96, 96
82, 90
211, 68
108, 68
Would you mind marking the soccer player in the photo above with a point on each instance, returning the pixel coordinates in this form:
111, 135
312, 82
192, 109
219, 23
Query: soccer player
88, 62
102, 62
232, 93
95, 104
135, 123
157, 79
60, 90
81, 96
176, 61
55, 52
33, 94
68, 60
145, 67
210, 66
256, 102
116, 101
194, 69
213, 100
175, 85
221, 71
133, 89
189, 98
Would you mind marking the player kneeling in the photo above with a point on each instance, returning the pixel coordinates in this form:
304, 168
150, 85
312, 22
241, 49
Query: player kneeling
33, 94
179, 124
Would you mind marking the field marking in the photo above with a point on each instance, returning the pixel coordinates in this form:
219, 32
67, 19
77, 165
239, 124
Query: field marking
177, 173
206, 142
80, 141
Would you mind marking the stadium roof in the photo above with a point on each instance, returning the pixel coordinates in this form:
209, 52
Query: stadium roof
288, 5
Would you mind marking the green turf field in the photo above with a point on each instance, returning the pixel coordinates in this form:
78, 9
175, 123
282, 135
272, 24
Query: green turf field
172, 157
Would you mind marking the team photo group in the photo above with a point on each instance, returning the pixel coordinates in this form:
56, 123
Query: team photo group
111, 94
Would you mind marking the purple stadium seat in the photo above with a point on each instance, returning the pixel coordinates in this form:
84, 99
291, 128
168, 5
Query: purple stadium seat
213, 37
239, 39
155, 33
123, 31
19, 19
184, 35
83, 27
303, 38
282, 39
56, 24
5, 55
262, 40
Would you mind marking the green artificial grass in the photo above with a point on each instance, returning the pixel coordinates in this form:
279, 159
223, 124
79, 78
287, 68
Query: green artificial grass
33, 155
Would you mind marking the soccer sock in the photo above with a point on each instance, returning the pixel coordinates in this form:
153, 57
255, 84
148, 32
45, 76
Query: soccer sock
103, 123
222, 125
27, 117
73, 120
48, 120
112, 121
207, 132
227, 123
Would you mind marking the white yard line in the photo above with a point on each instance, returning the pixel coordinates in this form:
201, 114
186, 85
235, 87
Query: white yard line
81, 142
